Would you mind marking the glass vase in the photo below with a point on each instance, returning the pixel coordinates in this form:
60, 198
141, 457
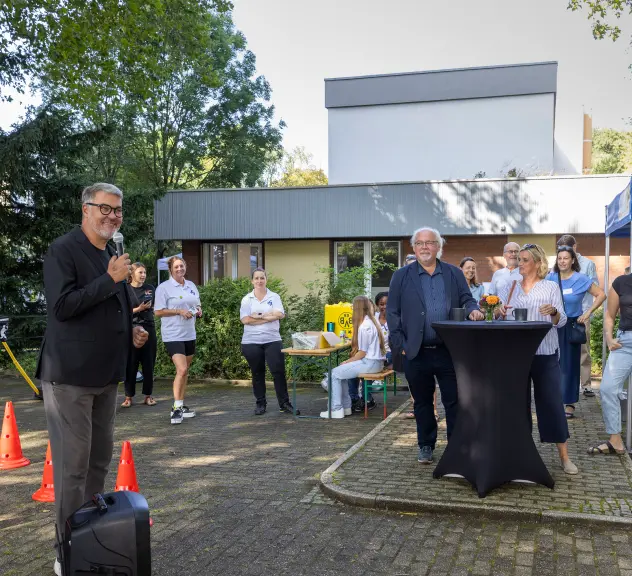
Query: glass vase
489, 314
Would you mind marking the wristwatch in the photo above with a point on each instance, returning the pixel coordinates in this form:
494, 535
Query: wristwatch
553, 313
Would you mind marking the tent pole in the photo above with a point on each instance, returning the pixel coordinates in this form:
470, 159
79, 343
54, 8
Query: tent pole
604, 347
628, 421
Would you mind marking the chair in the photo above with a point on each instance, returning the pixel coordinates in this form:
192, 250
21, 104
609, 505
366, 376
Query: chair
384, 376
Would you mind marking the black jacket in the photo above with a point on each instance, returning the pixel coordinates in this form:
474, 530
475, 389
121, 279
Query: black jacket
89, 317
406, 308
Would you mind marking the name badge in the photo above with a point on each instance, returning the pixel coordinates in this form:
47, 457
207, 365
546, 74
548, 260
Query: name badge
567, 291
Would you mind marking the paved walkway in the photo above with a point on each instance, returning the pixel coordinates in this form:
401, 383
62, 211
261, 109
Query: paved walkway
384, 472
238, 495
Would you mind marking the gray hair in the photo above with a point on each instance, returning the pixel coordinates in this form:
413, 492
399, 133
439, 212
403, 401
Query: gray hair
506, 246
436, 234
90, 192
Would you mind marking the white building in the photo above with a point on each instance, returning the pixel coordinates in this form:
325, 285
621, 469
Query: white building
449, 124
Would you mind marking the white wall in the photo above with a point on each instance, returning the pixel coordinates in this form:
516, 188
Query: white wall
441, 140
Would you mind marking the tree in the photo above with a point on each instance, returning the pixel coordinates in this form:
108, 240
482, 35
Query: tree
42, 172
295, 169
612, 151
599, 10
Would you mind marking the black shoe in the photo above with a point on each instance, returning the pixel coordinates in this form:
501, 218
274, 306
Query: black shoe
287, 408
260, 409
38, 395
371, 404
357, 405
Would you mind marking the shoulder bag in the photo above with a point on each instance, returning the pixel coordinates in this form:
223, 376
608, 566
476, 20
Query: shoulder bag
577, 333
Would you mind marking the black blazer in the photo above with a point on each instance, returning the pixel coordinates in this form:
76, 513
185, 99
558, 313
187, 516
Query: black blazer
406, 308
89, 317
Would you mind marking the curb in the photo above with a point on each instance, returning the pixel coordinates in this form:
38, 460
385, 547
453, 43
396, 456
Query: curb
391, 503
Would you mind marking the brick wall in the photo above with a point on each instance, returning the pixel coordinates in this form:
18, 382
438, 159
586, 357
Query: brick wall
192, 253
487, 252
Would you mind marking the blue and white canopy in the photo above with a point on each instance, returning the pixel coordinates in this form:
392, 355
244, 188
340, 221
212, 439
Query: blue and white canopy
619, 213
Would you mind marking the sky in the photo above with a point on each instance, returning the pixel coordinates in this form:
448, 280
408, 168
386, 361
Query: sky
299, 43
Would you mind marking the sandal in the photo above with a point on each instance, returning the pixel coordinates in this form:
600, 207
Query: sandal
150, 401
409, 415
588, 392
610, 449
569, 415
127, 402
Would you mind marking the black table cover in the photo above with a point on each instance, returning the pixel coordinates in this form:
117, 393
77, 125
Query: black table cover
491, 443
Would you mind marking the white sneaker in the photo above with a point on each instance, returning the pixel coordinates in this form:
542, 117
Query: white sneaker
334, 414
57, 567
347, 411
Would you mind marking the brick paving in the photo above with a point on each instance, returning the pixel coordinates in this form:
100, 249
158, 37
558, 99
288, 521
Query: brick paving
237, 495
387, 466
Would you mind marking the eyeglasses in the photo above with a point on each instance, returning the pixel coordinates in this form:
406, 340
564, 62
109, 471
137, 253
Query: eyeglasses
107, 209
512, 251
529, 246
563, 249
429, 244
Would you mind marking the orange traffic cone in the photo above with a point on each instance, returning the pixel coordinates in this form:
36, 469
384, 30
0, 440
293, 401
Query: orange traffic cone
46, 492
10, 448
126, 477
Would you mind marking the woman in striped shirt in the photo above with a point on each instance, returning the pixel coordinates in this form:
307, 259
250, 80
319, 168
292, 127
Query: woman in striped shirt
543, 301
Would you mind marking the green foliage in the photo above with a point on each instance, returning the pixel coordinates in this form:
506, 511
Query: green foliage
612, 151
599, 10
596, 339
295, 169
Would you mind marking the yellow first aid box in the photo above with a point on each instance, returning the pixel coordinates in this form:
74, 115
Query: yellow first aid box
341, 315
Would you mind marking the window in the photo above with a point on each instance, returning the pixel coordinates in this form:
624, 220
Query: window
230, 260
351, 254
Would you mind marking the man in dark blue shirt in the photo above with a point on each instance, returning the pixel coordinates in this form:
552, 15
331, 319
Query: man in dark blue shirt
419, 295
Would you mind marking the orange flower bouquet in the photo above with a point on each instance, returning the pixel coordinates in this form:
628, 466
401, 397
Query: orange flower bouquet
489, 303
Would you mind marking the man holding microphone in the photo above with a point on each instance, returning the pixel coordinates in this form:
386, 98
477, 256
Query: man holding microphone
84, 352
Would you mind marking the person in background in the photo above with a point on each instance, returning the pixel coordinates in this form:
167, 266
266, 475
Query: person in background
508, 274
145, 356
420, 294
587, 267
619, 364
468, 265
410, 258
368, 352
543, 302
260, 312
177, 305
574, 286
357, 400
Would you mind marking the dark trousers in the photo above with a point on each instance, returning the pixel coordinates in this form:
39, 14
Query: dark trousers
146, 357
80, 422
547, 389
420, 374
570, 360
257, 356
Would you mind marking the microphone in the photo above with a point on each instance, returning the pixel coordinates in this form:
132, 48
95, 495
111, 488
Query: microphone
118, 242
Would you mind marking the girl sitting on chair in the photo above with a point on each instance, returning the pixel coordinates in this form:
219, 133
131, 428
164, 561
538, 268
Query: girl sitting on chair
367, 357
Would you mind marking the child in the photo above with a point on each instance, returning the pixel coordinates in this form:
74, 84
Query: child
367, 356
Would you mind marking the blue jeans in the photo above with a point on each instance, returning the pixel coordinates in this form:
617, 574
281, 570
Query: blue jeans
354, 383
616, 372
340, 397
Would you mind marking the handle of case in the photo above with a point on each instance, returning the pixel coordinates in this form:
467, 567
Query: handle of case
99, 502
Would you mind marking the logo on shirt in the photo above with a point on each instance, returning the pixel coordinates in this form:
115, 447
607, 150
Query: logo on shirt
269, 302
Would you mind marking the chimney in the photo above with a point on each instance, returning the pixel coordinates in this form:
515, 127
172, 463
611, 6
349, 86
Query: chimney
587, 153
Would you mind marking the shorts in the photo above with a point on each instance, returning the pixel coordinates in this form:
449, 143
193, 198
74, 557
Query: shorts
186, 347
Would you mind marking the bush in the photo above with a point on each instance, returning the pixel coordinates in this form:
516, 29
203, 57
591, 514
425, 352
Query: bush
596, 339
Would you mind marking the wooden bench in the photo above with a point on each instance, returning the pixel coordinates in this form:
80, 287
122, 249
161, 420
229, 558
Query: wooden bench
384, 377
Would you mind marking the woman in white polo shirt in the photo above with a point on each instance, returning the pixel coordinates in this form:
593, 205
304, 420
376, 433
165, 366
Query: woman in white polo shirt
260, 313
178, 305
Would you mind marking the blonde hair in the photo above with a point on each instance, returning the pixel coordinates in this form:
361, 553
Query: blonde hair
173, 260
362, 307
539, 257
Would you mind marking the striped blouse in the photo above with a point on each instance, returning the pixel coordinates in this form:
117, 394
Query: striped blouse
543, 292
